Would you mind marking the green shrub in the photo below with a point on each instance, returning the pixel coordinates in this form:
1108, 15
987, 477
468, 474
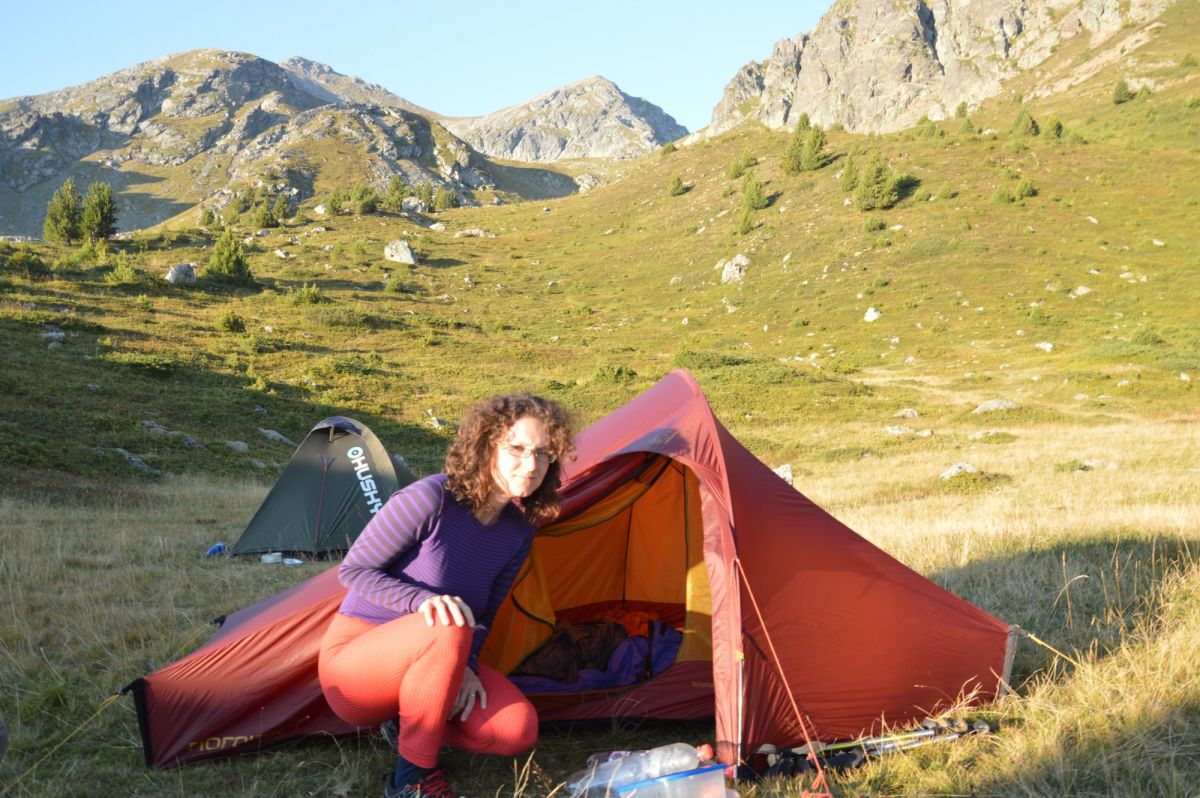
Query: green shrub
753, 196
614, 374
960, 112
873, 224
1188, 61
738, 168
814, 155
668, 148
677, 187
1054, 127
1147, 337
228, 263
1026, 188
745, 223
1025, 124
850, 173
23, 262
1003, 196
207, 217
265, 217
947, 192
122, 272
876, 185
1122, 93
230, 321
445, 197
363, 200
967, 127
306, 295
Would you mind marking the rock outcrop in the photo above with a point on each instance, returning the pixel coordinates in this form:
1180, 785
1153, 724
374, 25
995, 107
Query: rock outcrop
589, 119
878, 66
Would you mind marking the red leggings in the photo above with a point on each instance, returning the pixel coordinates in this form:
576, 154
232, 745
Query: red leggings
406, 668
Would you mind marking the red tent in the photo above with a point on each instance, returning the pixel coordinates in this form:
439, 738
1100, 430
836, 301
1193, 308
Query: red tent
788, 617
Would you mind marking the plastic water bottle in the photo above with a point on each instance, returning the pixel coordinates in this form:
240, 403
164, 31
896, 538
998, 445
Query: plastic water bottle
601, 777
611, 756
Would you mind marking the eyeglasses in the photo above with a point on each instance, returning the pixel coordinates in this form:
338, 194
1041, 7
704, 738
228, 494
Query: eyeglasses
543, 456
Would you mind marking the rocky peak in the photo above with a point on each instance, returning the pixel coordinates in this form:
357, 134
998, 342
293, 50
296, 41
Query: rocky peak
591, 118
323, 81
880, 65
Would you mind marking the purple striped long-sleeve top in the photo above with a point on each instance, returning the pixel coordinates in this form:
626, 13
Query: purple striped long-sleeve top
423, 543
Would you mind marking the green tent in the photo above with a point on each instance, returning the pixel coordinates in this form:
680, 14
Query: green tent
339, 477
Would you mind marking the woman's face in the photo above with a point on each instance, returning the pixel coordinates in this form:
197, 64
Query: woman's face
522, 458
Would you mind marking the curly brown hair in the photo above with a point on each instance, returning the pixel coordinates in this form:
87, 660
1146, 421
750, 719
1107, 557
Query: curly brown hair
469, 461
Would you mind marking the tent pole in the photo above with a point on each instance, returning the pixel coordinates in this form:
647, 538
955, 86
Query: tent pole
741, 659
328, 461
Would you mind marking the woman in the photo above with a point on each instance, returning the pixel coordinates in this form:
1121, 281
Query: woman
425, 580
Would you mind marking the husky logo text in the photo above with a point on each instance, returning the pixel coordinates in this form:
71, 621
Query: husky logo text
362, 469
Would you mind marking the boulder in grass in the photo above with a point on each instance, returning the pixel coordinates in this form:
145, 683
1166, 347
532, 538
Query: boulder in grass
784, 472
1045, 346
277, 437
958, 469
872, 315
907, 412
400, 251
238, 446
995, 405
734, 270
181, 274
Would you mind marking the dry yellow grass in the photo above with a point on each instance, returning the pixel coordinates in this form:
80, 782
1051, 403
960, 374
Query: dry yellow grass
1103, 564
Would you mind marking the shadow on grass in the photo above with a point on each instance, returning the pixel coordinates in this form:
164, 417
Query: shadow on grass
68, 418
1074, 597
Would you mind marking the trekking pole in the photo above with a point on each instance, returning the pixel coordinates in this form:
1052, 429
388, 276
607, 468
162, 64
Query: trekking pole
978, 727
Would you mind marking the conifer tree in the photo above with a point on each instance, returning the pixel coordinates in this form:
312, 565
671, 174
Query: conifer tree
445, 197
265, 217
1122, 93
813, 155
876, 185
396, 192
62, 214
676, 187
282, 209
364, 200
850, 173
99, 216
424, 193
207, 217
228, 261
753, 196
792, 156
803, 123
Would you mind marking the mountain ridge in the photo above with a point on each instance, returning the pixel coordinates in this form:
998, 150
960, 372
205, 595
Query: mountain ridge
874, 66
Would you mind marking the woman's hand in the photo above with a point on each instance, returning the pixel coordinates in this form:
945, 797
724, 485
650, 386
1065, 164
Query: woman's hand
448, 609
471, 690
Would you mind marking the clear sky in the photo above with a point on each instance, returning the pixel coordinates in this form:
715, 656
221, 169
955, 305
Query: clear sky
460, 58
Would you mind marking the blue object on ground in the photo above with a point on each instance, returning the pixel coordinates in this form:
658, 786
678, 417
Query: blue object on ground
213, 551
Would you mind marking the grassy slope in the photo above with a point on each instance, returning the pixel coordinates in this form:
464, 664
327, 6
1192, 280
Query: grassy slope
574, 298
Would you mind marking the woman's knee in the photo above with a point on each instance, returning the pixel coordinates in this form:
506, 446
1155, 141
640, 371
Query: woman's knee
519, 733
